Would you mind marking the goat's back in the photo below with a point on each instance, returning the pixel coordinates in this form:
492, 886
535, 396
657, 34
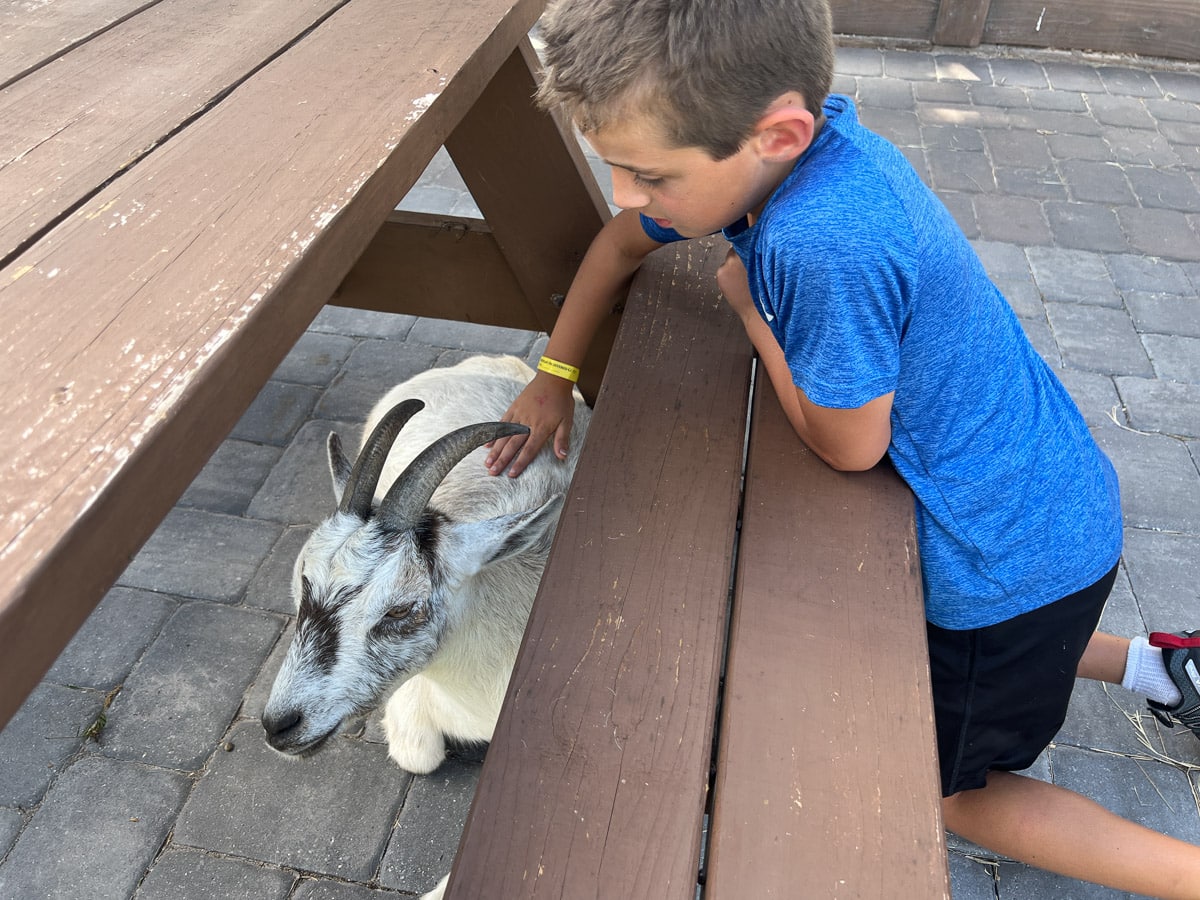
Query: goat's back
478, 389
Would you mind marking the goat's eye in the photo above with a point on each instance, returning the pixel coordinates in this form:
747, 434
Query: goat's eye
402, 611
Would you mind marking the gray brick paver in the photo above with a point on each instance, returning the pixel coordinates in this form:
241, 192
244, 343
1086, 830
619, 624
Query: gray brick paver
1135, 789
1038, 184
1086, 226
1180, 85
1164, 407
1164, 569
1120, 111
179, 557
1141, 148
1161, 232
232, 476
1164, 313
11, 823
1175, 358
1132, 272
1160, 489
1156, 187
1072, 276
189, 875
276, 413
330, 813
1127, 81
1097, 182
315, 889
99, 828
176, 705
1017, 220
426, 835
113, 638
42, 739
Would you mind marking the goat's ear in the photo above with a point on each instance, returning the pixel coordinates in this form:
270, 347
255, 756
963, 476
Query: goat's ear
492, 540
339, 466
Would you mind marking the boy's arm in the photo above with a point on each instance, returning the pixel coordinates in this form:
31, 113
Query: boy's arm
846, 439
546, 405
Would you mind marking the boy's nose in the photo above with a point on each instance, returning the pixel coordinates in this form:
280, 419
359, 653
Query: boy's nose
626, 193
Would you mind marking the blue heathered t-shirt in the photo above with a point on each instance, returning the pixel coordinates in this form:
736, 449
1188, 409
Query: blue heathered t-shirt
870, 287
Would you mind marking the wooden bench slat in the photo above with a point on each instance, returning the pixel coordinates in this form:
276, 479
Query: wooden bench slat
826, 776
110, 87
184, 295
594, 783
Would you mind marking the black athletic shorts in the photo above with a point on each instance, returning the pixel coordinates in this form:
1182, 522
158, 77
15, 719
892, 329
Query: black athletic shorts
1000, 693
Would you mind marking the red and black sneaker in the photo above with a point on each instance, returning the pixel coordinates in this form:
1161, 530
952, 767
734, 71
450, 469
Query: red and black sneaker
1181, 653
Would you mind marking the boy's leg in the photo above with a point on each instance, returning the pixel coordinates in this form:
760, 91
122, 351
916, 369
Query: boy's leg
1053, 828
1000, 694
1104, 658
1165, 677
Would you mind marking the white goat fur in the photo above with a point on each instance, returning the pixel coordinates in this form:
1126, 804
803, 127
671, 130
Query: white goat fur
447, 661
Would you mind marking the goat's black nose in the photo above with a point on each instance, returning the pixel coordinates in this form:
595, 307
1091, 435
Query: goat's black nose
278, 724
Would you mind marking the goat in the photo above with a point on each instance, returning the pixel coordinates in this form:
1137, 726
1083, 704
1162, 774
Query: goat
426, 595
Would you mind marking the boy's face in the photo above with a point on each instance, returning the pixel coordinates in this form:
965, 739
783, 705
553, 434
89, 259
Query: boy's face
683, 188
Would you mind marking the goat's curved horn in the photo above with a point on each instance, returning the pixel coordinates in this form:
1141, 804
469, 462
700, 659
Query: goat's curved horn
408, 497
364, 477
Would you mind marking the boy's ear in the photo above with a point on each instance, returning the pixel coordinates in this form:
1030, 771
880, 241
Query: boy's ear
784, 131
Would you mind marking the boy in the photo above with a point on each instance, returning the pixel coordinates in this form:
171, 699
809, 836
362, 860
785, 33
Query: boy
881, 333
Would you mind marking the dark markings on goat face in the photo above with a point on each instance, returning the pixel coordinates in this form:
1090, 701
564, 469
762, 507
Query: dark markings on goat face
318, 625
427, 531
425, 534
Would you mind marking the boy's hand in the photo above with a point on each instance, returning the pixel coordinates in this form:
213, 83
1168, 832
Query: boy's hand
548, 408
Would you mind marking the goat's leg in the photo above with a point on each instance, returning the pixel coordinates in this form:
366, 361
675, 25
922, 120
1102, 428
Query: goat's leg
415, 742
437, 892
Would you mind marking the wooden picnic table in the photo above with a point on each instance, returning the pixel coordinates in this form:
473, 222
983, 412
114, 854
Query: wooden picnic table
185, 184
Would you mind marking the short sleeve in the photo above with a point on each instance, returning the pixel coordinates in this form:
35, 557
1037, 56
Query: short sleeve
840, 306
656, 232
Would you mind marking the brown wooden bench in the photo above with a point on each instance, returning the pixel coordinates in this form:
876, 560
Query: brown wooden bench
800, 750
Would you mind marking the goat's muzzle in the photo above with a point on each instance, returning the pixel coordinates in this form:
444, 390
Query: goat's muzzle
284, 730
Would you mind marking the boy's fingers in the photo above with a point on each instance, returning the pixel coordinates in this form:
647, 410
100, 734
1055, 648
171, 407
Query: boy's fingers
527, 455
494, 448
503, 453
562, 441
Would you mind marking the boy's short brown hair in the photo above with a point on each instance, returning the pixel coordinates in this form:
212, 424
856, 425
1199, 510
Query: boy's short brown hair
706, 70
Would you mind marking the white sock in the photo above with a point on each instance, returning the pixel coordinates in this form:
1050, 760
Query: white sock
1146, 673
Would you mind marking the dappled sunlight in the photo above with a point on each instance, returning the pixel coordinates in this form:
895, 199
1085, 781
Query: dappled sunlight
955, 71
951, 115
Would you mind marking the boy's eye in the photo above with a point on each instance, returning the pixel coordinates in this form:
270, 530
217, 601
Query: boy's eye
646, 180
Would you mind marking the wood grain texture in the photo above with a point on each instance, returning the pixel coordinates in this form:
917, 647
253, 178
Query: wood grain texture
34, 34
594, 783
960, 22
827, 769
447, 267
911, 19
138, 330
1168, 28
84, 118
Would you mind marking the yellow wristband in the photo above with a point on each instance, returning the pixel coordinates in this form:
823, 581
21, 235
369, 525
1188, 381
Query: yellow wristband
561, 369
